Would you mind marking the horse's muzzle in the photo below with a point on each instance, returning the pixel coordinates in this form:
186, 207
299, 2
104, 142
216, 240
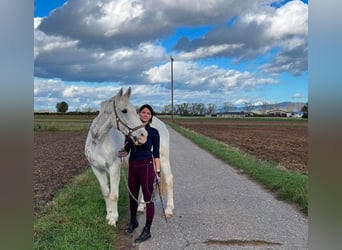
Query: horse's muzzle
140, 138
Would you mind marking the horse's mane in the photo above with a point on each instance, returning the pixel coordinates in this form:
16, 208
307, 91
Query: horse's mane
99, 123
107, 106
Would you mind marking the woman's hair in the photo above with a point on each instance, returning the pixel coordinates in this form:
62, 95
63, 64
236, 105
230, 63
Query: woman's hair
149, 108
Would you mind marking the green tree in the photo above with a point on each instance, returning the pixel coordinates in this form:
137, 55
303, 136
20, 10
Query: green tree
62, 107
305, 110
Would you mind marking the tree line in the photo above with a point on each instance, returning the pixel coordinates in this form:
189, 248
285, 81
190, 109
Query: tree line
200, 109
195, 109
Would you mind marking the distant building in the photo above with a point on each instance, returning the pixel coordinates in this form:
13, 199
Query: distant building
297, 114
232, 114
277, 112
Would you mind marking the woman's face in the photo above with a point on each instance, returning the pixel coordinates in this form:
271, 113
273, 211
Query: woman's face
145, 115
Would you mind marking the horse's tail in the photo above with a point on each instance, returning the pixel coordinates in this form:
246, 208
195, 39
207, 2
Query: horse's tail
162, 184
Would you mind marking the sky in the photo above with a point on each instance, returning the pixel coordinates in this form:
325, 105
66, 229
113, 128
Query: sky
251, 51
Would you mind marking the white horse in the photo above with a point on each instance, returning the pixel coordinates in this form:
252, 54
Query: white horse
106, 136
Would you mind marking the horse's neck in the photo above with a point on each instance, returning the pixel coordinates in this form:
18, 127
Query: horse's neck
100, 126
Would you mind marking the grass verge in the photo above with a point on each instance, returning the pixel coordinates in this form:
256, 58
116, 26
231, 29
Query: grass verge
61, 125
75, 218
289, 186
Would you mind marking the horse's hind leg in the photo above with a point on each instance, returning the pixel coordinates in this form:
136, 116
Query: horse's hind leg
166, 169
142, 204
101, 176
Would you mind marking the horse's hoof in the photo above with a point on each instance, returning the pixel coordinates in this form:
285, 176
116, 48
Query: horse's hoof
168, 214
141, 209
112, 223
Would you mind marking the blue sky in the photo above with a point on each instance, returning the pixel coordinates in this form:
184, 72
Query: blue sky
253, 51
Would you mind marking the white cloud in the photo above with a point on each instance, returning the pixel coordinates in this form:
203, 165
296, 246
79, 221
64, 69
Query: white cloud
297, 96
60, 57
257, 31
241, 102
111, 35
290, 19
209, 51
46, 87
192, 76
90, 48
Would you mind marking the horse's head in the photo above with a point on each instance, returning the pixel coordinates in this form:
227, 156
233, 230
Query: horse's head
126, 118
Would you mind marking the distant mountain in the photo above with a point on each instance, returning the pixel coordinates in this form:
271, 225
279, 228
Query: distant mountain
287, 106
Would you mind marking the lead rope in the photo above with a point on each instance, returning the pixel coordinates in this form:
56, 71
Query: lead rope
161, 200
129, 191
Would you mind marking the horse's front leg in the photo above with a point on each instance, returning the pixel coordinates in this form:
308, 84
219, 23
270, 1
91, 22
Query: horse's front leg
101, 176
114, 177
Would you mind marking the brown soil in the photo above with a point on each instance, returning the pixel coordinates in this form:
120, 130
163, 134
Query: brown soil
283, 142
59, 156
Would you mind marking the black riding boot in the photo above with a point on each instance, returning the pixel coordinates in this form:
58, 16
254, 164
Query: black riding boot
133, 224
145, 234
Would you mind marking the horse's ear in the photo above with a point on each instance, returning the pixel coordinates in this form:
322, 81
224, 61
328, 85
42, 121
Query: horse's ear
128, 92
120, 92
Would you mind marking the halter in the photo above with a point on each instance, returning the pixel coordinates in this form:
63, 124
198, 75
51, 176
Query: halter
118, 121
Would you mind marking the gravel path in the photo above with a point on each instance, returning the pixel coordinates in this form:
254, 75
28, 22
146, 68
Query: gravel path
218, 208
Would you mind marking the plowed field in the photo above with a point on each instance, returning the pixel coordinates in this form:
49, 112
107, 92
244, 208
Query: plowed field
284, 142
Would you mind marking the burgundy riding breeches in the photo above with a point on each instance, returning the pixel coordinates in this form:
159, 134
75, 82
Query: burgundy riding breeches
141, 174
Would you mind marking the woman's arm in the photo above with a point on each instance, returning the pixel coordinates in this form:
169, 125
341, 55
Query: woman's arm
156, 148
157, 164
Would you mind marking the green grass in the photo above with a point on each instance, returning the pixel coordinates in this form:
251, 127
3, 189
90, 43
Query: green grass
75, 218
287, 185
53, 126
61, 124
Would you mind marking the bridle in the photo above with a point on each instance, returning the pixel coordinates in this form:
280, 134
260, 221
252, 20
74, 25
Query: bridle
118, 121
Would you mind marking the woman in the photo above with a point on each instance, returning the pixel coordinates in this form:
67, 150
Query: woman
144, 168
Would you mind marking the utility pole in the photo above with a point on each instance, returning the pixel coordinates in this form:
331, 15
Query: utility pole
171, 88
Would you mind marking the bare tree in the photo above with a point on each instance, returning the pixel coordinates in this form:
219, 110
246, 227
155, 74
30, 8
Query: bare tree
86, 109
249, 107
264, 107
227, 106
211, 108
167, 109
200, 108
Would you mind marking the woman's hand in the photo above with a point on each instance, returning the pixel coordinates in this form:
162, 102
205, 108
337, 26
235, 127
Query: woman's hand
122, 153
158, 177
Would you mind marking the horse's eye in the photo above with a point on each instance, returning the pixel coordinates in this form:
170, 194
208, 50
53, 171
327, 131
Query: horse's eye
124, 111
